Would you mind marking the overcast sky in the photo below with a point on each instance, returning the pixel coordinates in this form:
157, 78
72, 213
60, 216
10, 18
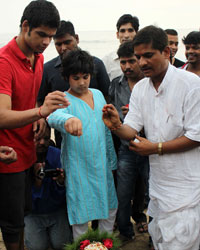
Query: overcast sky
97, 15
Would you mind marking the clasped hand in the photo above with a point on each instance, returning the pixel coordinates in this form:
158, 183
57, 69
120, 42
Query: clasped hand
74, 126
143, 146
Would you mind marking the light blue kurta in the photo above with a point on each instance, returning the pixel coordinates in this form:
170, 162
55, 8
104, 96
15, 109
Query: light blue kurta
88, 160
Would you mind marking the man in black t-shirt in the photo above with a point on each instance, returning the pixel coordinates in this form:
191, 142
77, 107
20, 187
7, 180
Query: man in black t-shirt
173, 45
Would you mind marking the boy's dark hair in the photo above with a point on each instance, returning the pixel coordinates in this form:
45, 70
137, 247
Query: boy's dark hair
126, 49
192, 38
171, 32
77, 61
151, 35
127, 18
41, 12
65, 28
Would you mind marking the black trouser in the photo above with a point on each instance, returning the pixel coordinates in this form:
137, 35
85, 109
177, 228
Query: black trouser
15, 201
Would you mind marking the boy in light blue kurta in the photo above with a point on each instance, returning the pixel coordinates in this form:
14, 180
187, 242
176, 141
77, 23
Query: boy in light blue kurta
87, 151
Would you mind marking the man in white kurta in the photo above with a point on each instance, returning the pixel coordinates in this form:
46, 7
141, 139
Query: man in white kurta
175, 177
167, 106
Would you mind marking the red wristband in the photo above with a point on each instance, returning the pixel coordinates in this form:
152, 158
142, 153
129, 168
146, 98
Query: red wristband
39, 112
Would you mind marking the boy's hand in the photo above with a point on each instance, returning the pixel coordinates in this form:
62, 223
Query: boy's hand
110, 116
74, 126
36, 169
61, 177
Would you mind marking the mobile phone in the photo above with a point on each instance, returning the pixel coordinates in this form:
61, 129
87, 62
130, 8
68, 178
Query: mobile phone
51, 172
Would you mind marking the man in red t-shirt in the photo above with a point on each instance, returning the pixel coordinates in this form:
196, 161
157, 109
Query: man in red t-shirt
21, 122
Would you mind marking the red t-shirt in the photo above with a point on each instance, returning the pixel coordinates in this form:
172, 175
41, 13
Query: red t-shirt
21, 83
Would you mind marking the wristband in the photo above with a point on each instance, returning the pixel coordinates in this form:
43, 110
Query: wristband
39, 113
115, 128
160, 149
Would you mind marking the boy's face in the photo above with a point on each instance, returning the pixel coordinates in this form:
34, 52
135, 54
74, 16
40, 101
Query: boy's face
79, 83
43, 143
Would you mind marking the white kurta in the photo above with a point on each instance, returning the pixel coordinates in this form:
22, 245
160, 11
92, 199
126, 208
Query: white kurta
112, 64
171, 112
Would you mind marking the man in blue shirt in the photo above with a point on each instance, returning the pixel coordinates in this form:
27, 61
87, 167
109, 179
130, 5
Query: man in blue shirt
48, 224
132, 172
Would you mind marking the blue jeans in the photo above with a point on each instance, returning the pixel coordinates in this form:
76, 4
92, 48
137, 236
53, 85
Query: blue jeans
131, 166
44, 230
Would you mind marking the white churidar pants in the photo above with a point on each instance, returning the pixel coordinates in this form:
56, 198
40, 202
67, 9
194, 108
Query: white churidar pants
105, 225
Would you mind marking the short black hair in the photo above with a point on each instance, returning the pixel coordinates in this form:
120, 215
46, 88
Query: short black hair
171, 32
192, 38
126, 49
66, 27
127, 18
41, 12
151, 35
77, 61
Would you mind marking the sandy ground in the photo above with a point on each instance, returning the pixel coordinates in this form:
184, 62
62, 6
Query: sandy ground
139, 243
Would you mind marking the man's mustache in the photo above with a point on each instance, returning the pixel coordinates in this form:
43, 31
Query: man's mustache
128, 71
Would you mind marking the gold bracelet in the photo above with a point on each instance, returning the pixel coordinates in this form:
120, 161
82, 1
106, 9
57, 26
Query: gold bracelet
119, 126
160, 149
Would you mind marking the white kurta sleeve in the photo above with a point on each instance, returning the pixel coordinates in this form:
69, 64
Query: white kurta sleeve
192, 115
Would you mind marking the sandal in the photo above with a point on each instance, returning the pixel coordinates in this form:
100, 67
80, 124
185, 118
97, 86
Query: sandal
142, 227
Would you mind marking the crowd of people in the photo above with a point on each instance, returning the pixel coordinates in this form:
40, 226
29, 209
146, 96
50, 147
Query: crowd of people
127, 135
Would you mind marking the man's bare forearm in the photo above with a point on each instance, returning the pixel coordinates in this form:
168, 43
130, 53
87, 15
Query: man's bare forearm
180, 144
145, 147
10, 119
125, 132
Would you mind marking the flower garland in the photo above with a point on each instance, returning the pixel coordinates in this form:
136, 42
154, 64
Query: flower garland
94, 240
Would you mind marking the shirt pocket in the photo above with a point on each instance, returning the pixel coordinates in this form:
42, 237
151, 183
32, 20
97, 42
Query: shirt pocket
172, 126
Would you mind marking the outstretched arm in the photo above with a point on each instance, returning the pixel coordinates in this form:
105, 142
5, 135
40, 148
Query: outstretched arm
65, 123
112, 121
10, 119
